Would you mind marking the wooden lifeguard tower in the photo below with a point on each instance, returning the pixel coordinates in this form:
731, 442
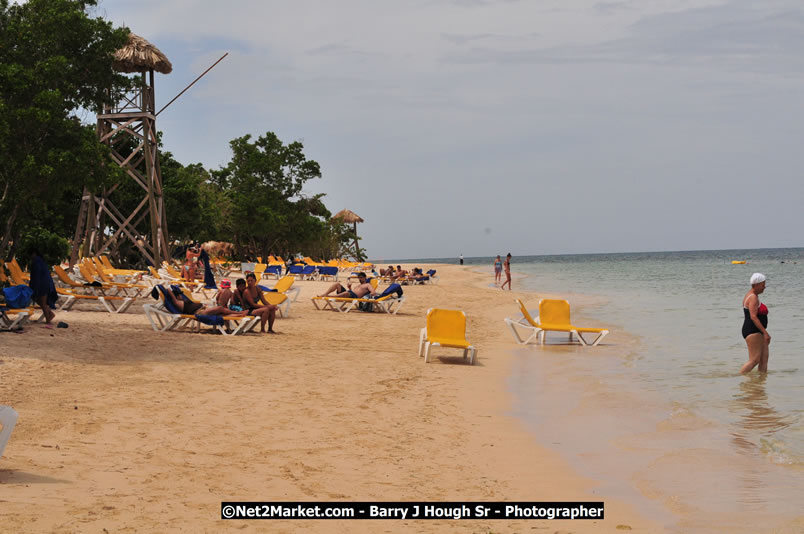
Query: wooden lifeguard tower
129, 129
350, 217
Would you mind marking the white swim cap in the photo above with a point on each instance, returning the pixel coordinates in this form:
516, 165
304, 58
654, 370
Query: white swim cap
757, 278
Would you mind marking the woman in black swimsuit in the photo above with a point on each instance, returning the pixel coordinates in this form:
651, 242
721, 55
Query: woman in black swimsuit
250, 297
754, 326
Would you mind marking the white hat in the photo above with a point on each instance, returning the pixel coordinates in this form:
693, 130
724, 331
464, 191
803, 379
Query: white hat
757, 278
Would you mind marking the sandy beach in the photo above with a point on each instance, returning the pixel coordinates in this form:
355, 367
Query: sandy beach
122, 429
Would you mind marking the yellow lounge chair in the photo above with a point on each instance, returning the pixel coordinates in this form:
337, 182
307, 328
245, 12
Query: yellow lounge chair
65, 279
90, 276
389, 304
15, 273
129, 274
106, 279
554, 316
445, 328
525, 322
108, 302
16, 266
280, 300
284, 285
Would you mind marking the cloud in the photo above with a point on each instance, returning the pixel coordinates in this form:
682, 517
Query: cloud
732, 36
444, 118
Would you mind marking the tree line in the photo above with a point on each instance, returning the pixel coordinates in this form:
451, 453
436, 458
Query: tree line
55, 69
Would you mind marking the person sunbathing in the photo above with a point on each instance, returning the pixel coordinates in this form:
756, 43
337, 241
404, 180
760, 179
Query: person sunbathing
363, 288
189, 307
250, 297
418, 276
400, 273
387, 272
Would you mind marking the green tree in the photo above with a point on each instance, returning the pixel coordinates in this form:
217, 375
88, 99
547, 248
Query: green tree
268, 210
55, 62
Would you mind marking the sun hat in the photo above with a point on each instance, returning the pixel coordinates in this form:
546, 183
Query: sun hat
226, 283
757, 278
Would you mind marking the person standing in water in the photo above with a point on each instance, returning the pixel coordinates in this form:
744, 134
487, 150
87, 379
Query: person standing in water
461, 259
507, 268
497, 270
755, 326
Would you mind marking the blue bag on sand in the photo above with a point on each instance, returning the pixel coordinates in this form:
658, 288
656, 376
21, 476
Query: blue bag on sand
18, 296
212, 320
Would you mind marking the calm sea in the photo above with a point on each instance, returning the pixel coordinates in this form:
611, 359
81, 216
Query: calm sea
660, 414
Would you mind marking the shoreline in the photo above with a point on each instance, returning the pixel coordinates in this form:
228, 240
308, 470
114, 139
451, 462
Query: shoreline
153, 433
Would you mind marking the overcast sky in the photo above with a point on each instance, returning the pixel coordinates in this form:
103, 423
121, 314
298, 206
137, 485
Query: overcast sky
480, 127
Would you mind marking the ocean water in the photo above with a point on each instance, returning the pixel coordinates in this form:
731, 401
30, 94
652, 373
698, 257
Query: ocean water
659, 413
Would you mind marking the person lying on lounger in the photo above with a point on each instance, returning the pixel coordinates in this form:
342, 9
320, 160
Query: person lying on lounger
360, 291
188, 307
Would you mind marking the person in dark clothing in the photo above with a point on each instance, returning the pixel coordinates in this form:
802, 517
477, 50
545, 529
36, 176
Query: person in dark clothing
44, 290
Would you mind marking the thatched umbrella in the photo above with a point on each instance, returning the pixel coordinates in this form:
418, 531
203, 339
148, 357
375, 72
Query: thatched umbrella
349, 216
138, 55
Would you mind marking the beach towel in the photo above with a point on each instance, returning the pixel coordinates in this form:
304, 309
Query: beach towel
209, 278
18, 296
168, 303
267, 289
41, 283
211, 320
393, 288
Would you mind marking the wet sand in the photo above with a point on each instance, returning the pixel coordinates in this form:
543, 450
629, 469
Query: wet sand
123, 429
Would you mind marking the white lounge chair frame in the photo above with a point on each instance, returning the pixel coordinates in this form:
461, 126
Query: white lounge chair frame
540, 333
107, 302
389, 304
7, 323
425, 345
522, 323
8, 418
164, 321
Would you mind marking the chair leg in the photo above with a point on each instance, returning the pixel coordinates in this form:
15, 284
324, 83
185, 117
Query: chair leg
427, 346
421, 341
8, 418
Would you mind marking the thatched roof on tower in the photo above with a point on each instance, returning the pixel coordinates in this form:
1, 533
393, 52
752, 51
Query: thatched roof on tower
348, 216
138, 55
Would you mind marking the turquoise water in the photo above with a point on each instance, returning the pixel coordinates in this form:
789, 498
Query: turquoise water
659, 414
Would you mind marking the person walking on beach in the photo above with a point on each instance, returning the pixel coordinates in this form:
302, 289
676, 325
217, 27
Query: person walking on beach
497, 270
507, 267
44, 291
755, 326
